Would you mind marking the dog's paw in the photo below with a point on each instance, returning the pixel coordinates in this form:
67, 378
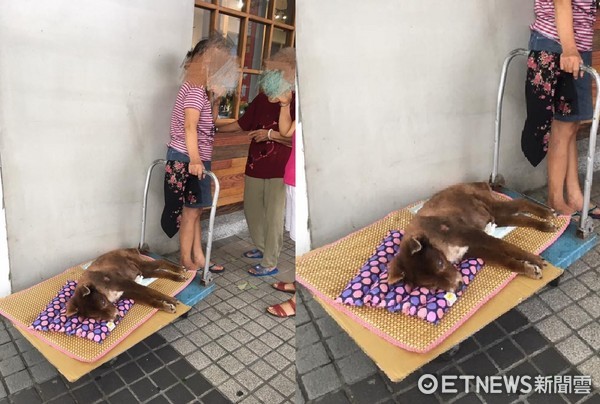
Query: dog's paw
548, 227
169, 307
533, 271
549, 214
181, 278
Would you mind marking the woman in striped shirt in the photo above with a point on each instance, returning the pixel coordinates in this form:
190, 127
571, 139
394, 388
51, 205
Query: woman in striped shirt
559, 95
189, 154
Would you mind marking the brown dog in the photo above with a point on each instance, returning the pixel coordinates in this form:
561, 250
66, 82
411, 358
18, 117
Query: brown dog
112, 276
452, 223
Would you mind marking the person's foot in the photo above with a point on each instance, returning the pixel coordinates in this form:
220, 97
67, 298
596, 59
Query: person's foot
189, 265
259, 270
562, 208
212, 267
255, 254
216, 268
283, 310
576, 203
285, 287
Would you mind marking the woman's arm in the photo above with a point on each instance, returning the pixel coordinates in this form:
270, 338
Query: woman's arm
285, 116
262, 135
285, 123
230, 127
191, 118
291, 130
214, 104
570, 59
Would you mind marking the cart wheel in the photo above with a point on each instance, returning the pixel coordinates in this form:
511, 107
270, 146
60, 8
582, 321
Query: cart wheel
588, 229
205, 280
498, 183
185, 315
448, 355
554, 283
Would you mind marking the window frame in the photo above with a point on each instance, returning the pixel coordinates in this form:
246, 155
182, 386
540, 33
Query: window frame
246, 17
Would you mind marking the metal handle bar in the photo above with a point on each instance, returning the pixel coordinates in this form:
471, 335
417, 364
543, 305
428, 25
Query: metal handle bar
585, 223
206, 276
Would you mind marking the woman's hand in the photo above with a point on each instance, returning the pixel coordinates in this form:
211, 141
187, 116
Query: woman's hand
196, 168
570, 61
259, 135
285, 99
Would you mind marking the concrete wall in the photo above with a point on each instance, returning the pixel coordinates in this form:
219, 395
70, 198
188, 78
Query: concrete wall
4, 262
86, 92
398, 101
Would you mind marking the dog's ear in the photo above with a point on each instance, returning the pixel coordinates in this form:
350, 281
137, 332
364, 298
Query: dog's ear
71, 309
395, 277
414, 245
394, 271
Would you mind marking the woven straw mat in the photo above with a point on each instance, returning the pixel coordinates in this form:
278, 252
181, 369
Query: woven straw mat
23, 307
328, 270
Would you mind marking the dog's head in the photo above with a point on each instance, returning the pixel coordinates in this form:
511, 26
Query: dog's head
88, 302
420, 264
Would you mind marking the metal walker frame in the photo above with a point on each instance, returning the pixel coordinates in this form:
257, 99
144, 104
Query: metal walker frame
207, 277
586, 225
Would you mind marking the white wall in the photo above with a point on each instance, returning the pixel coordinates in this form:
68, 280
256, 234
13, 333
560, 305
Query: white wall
5, 287
398, 101
86, 91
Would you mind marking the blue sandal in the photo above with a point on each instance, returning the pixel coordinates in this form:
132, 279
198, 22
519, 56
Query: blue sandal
259, 270
256, 254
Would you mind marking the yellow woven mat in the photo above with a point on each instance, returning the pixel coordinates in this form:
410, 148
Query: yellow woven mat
326, 272
23, 307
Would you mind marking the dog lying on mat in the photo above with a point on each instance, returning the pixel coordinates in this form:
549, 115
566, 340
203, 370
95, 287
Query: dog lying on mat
113, 275
451, 223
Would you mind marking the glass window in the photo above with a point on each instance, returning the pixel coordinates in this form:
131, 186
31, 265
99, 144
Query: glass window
259, 7
201, 25
280, 40
249, 90
233, 4
284, 11
262, 22
230, 27
227, 107
255, 45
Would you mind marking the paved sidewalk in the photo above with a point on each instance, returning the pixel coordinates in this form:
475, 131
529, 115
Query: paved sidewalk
556, 332
228, 349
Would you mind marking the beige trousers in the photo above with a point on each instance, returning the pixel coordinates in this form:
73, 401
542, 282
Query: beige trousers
264, 208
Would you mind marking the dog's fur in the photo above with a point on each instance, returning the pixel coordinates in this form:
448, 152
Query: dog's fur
112, 276
451, 225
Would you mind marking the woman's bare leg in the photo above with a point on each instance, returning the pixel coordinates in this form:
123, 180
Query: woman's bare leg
560, 154
187, 229
197, 253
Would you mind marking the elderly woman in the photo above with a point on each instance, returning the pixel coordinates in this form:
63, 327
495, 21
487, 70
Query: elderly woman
264, 189
189, 154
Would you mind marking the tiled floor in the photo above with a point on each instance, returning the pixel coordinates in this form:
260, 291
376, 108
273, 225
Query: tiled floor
227, 349
556, 332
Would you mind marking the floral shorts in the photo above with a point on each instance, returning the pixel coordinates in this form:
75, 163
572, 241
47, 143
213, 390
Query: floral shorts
583, 85
550, 94
182, 189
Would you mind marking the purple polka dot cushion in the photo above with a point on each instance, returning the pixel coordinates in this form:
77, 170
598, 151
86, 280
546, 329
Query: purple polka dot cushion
370, 287
53, 318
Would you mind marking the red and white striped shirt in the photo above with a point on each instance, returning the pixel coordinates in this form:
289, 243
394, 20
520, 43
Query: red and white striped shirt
190, 96
584, 16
